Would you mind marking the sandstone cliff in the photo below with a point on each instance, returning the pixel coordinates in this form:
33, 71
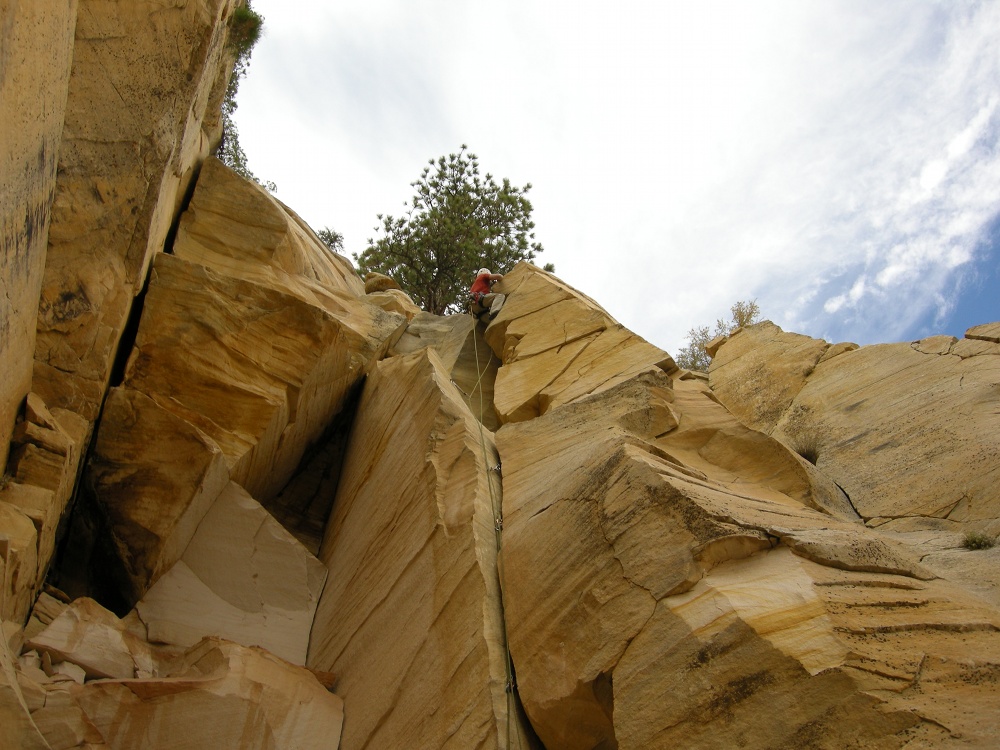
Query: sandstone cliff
251, 503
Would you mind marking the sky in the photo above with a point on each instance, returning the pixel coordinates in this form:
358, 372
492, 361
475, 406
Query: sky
836, 160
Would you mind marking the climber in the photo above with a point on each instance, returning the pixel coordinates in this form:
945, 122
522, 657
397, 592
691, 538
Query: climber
481, 299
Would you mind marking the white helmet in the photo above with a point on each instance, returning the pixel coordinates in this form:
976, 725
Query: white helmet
481, 271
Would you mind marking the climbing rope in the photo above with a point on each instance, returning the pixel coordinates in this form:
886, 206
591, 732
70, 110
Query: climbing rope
509, 686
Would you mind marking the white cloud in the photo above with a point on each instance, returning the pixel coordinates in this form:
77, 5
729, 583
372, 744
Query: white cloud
837, 161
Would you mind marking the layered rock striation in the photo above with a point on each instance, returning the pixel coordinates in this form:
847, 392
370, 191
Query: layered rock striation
37, 44
908, 430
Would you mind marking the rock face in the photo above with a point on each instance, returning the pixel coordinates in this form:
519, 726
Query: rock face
124, 99
232, 377
142, 112
681, 586
283, 328
468, 359
36, 39
151, 493
410, 620
908, 430
242, 577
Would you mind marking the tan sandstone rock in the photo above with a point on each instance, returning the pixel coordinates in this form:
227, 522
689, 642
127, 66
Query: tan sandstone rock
253, 338
43, 465
46, 609
410, 620
19, 556
986, 332
89, 636
19, 730
37, 44
910, 431
394, 300
145, 77
94, 682
557, 346
217, 695
236, 228
463, 351
674, 579
770, 382
379, 282
154, 477
242, 577
63, 723
282, 337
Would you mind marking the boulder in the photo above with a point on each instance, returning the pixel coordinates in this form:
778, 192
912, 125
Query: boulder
282, 331
909, 431
88, 669
379, 282
237, 229
410, 620
92, 638
154, 476
556, 345
217, 695
243, 578
37, 44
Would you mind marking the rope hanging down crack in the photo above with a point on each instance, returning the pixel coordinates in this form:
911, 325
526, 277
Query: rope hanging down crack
510, 686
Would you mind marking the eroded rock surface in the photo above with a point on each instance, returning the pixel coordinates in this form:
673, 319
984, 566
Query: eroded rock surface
253, 338
219, 695
671, 577
557, 345
242, 577
45, 452
142, 111
215, 694
410, 620
37, 44
283, 330
910, 431
154, 476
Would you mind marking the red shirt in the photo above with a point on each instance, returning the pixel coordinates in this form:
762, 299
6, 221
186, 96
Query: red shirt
482, 284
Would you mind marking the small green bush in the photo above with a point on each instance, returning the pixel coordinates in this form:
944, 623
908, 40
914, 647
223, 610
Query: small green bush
978, 540
245, 28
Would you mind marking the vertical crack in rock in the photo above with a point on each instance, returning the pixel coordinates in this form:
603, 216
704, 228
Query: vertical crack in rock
516, 718
412, 619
